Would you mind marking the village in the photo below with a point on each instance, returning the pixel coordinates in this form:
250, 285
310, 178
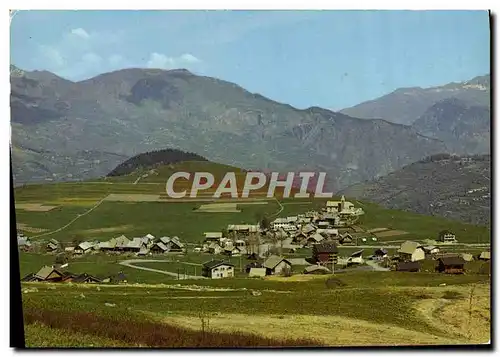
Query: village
269, 248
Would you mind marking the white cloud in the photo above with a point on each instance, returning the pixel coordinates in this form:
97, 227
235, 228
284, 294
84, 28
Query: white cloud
80, 33
53, 56
116, 60
159, 60
189, 58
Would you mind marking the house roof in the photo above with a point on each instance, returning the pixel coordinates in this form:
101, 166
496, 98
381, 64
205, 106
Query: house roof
456, 260
165, 240
429, 247
326, 247
407, 266
485, 255
135, 243
317, 237
29, 277
467, 257
357, 253
213, 234
44, 272
243, 227
381, 250
257, 272
85, 245
84, 277
409, 247
273, 260
143, 251
280, 220
149, 236
308, 228
122, 241
215, 263
161, 246
54, 241
69, 249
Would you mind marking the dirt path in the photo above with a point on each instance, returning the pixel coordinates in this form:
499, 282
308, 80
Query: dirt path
130, 263
72, 221
375, 265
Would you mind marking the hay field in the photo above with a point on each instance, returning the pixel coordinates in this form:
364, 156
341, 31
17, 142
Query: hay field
390, 233
34, 207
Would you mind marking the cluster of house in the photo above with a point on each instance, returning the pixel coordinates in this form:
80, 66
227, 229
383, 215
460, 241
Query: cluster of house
52, 274
411, 254
303, 230
139, 245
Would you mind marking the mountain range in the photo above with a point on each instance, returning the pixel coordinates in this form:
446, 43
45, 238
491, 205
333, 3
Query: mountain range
64, 130
442, 185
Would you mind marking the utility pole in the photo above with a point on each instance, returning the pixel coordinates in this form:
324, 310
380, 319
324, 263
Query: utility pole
241, 267
177, 273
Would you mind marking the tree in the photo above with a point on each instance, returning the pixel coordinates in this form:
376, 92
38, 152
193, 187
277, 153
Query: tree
265, 223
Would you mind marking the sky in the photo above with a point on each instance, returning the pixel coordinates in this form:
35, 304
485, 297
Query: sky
330, 59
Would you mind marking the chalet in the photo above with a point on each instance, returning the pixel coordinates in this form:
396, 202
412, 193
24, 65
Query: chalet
346, 239
292, 220
252, 265
323, 224
325, 252
69, 249
275, 265
279, 222
52, 246
217, 269
313, 239
135, 245
175, 245
240, 243
243, 228
159, 248
447, 237
380, 253
214, 248
356, 258
308, 229
149, 236
110, 245
299, 237
234, 251
328, 232
411, 251
121, 243
212, 237
49, 274
24, 243
317, 269
486, 255
451, 265
253, 256
85, 279
413, 266
83, 248
257, 272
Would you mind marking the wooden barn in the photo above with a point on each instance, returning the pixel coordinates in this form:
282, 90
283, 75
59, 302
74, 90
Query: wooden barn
451, 265
325, 252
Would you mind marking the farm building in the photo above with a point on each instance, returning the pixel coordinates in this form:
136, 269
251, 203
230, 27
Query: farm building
451, 265
380, 253
83, 248
356, 258
446, 237
30, 277
159, 248
49, 274
214, 248
52, 246
346, 239
317, 269
413, 266
175, 245
313, 239
257, 272
252, 265
430, 249
325, 252
486, 255
121, 243
212, 236
217, 269
411, 251
243, 228
23, 243
115, 279
276, 265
